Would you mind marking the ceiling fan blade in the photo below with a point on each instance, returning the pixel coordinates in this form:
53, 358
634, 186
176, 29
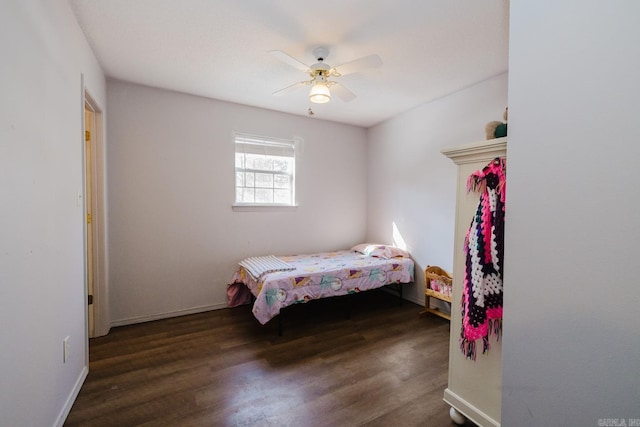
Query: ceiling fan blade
342, 92
289, 60
290, 88
371, 61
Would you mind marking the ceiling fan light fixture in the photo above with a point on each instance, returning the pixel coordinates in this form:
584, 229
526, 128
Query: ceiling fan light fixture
319, 93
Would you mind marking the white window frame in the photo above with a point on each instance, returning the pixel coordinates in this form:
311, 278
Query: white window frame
268, 146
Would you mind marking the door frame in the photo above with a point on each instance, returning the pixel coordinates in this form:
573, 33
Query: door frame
97, 182
89, 165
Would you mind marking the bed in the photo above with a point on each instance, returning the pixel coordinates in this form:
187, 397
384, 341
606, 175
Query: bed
295, 279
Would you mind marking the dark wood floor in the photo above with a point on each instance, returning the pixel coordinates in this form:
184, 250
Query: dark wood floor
383, 366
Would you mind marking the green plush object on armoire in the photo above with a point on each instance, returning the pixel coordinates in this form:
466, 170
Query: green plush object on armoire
501, 130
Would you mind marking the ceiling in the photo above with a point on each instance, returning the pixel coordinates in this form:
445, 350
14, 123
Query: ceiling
220, 49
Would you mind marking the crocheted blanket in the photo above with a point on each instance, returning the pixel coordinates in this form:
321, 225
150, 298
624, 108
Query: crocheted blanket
484, 248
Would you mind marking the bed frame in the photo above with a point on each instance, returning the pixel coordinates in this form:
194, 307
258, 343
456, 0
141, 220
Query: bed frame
394, 287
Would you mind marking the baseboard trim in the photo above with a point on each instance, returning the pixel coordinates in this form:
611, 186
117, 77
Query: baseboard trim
468, 410
167, 315
64, 412
195, 310
412, 299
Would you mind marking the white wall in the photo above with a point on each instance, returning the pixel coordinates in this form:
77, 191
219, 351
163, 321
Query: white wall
571, 349
42, 296
413, 185
174, 240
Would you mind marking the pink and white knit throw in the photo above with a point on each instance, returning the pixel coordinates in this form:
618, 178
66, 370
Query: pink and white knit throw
484, 248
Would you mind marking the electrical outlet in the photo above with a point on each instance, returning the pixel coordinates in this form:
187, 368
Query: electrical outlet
65, 350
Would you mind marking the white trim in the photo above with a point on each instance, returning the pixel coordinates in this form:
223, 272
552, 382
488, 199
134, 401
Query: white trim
477, 151
68, 404
412, 299
263, 208
285, 142
468, 410
167, 315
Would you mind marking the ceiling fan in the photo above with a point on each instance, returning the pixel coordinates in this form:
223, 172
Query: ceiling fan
321, 72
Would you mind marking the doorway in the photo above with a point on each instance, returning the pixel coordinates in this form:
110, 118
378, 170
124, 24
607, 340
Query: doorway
89, 126
95, 253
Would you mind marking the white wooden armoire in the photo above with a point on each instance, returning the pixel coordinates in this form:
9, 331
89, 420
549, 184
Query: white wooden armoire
475, 387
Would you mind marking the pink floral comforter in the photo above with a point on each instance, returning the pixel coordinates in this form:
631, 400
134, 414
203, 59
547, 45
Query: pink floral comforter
320, 275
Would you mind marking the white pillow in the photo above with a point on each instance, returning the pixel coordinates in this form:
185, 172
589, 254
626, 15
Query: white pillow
380, 251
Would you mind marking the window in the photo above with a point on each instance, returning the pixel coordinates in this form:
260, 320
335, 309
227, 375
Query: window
264, 171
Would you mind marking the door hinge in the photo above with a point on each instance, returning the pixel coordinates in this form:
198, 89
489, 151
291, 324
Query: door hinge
89, 299
88, 218
87, 135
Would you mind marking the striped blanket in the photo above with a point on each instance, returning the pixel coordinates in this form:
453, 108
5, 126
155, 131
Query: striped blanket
257, 266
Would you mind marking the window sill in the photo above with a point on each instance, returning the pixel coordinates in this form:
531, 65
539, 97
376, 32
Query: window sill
263, 208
